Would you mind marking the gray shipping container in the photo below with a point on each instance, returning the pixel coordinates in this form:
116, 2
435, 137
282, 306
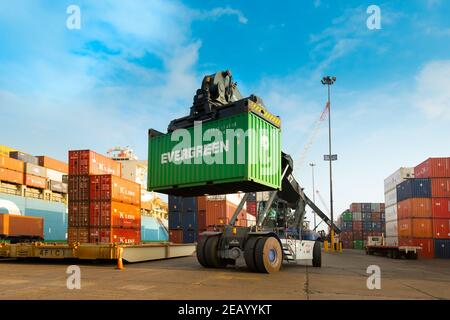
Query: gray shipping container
65, 178
58, 186
375, 207
35, 170
24, 157
357, 216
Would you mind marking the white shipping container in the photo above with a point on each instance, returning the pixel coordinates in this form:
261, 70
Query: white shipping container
392, 229
251, 220
390, 197
136, 171
391, 241
55, 175
263, 196
234, 198
35, 170
356, 216
390, 213
397, 177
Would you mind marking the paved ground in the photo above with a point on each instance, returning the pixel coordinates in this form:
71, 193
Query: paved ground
342, 276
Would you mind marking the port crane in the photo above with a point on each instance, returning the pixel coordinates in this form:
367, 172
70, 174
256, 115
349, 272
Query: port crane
276, 237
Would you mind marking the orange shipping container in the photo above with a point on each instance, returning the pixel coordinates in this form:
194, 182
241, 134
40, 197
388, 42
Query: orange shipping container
115, 214
414, 208
53, 164
111, 188
12, 225
35, 181
10, 163
415, 228
80, 235
83, 162
440, 188
219, 212
11, 176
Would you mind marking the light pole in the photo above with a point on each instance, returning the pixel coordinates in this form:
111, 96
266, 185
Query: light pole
314, 192
328, 81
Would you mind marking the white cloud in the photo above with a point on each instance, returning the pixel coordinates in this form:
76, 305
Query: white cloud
218, 12
432, 93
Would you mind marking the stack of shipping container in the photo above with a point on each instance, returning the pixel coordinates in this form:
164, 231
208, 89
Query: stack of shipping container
390, 199
423, 209
103, 207
189, 216
359, 222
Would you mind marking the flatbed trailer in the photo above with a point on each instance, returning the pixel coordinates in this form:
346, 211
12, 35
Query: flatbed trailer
394, 252
107, 251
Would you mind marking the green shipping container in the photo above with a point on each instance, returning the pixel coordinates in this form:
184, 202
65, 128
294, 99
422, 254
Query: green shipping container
358, 244
347, 216
237, 153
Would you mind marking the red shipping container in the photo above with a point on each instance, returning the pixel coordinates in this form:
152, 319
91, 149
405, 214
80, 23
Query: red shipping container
415, 228
357, 235
82, 162
11, 176
11, 163
176, 235
355, 207
80, 235
35, 181
115, 235
357, 225
112, 188
414, 208
114, 214
346, 236
79, 212
433, 168
441, 208
441, 228
405, 241
427, 245
201, 203
53, 164
79, 188
440, 188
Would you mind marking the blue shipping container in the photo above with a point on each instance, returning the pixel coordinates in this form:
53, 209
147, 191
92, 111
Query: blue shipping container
366, 216
376, 226
189, 220
347, 226
189, 236
54, 214
442, 248
152, 230
175, 203
190, 204
367, 226
175, 220
414, 188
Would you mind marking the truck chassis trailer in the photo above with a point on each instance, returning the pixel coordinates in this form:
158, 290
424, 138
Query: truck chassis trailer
129, 253
394, 252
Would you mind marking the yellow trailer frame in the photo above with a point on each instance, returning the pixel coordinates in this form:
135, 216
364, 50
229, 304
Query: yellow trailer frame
108, 251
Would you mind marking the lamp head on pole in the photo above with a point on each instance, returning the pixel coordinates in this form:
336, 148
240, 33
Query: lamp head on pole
328, 80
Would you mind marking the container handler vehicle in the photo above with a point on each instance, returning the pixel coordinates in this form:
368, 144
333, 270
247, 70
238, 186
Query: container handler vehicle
277, 235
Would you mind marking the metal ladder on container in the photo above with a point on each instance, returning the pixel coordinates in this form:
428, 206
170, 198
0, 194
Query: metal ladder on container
289, 249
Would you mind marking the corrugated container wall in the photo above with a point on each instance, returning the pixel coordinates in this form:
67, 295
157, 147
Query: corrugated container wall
441, 207
35, 170
433, 168
255, 164
11, 164
5, 150
24, 157
398, 177
440, 188
442, 248
83, 162
14, 225
414, 188
53, 164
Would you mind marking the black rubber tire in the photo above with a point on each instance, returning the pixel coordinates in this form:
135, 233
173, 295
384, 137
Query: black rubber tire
201, 251
249, 253
317, 255
262, 248
212, 260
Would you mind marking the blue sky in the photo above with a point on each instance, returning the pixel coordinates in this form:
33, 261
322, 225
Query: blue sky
135, 65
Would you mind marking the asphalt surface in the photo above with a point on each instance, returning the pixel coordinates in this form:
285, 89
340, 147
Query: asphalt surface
342, 276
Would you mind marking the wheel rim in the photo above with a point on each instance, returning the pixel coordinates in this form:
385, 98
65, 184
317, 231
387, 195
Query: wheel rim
272, 256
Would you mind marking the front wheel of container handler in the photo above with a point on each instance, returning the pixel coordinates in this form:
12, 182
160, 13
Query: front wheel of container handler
249, 253
201, 251
317, 255
212, 259
268, 255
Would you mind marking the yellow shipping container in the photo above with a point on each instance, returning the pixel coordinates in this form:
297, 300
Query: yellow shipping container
5, 150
